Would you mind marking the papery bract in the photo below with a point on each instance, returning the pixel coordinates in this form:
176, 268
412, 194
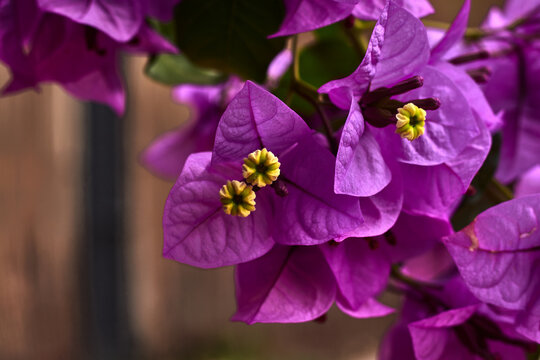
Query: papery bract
167, 154
449, 323
307, 15
294, 284
289, 284
83, 60
310, 214
498, 254
198, 232
447, 147
120, 19
512, 84
450, 128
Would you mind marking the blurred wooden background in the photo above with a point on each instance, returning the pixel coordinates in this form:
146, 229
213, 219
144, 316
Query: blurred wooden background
174, 311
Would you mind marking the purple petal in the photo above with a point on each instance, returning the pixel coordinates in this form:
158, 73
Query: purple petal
197, 231
497, 254
528, 323
369, 309
434, 190
415, 235
361, 273
102, 86
370, 10
60, 53
520, 145
312, 213
278, 67
360, 167
529, 183
380, 211
515, 9
449, 129
453, 34
253, 120
405, 49
433, 340
398, 47
287, 285
167, 154
201, 98
431, 265
120, 19
475, 96
343, 91
307, 15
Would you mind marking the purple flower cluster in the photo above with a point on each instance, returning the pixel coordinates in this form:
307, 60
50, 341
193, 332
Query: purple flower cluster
342, 226
77, 43
429, 133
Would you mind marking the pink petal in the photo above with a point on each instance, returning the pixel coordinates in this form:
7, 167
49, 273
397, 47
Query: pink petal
197, 231
287, 285
253, 120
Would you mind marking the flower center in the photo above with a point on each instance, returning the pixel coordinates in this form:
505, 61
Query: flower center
237, 198
261, 168
411, 122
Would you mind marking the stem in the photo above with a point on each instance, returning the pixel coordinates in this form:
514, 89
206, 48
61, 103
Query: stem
310, 93
472, 33
305, 93
296, 59
498, 192
357, 41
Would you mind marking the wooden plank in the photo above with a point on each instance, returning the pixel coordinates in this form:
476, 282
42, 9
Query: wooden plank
40, 151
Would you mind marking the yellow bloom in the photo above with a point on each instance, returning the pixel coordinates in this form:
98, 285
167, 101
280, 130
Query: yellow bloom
261, 168
411, 122
238, 198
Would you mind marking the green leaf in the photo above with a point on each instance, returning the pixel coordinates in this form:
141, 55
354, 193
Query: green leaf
330, 57
165, 29
230, 35
172, 69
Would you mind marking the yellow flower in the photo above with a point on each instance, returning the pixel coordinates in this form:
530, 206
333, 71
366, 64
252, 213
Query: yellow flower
238, 198
261, 168
411, 122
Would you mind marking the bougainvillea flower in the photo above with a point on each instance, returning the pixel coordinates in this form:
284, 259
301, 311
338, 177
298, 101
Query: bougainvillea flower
307, 15
447, 322
83, 60
497, 256
451, 129
514, 86
300, 208
167, 154
120, 19
511, 87
300, 283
